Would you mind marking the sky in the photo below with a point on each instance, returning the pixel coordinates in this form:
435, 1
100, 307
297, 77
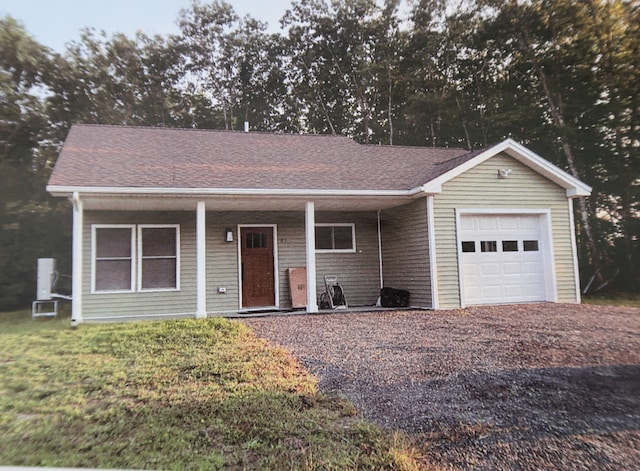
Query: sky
57, 22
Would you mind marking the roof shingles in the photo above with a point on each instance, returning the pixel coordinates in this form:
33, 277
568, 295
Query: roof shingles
138, 157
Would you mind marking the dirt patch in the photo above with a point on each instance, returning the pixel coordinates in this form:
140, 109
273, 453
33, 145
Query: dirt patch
541, 386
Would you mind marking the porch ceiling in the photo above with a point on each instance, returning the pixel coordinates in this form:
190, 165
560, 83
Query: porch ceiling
239, 203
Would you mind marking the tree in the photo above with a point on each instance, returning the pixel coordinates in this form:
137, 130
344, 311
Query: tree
231, 65
29, 220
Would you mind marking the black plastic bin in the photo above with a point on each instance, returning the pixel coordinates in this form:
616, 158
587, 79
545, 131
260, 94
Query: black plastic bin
391, 297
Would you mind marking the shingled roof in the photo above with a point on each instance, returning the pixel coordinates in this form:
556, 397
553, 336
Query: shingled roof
139, 157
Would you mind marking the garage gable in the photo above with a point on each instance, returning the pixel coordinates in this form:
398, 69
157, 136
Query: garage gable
519, 205
528, 158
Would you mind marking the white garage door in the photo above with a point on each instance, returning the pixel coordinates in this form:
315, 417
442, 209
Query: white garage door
502, 258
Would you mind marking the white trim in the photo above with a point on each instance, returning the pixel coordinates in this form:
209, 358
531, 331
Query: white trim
338, 224
276, 274
380, 252
201, 260
525, 156
433, 267
463, 303
310, 255
62, 190
546, 242
77, 260
574, 250
94, 228
140, 257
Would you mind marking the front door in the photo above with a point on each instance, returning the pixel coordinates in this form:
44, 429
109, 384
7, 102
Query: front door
258, 276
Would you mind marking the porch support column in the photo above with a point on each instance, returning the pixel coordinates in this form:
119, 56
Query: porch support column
310, 232
433, 267
201, 261
76, 269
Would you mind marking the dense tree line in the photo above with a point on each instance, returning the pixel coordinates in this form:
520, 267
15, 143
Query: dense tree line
560, 76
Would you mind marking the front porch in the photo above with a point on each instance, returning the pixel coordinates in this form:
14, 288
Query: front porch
212, 268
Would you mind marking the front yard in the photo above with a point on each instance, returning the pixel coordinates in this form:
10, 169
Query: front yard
173, 395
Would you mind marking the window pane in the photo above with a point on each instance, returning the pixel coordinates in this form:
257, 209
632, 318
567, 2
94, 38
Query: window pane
113, 275
509, 245
342, 236
324, 237
489, 246
468, 246
160, 241
530, 245
113, 242
159, 273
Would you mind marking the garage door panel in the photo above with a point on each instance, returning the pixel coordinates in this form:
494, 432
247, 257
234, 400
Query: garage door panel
490, 269
508, 223
487, 224
508, 274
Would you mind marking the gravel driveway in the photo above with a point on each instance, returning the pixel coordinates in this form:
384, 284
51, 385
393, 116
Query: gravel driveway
540, 386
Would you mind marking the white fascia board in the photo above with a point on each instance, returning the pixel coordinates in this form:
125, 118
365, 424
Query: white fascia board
56, 190
573, 186
523, 155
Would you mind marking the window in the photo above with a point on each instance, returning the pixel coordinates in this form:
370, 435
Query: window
489, 246
158, 248
468, 246
530, 245
509, 245
335, 238
256, 240
117, 255
113, 258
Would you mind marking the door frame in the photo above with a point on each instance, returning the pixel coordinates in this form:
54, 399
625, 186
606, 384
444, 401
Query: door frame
546, 242
276, 274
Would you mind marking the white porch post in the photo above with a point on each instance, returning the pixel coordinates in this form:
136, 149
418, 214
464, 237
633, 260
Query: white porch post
310, 232
76, 270
201, 264
433, 268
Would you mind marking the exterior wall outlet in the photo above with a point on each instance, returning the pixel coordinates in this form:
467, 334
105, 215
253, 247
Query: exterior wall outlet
222, 289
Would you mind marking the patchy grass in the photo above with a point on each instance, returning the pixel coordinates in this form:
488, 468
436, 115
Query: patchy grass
613, 299
190, 394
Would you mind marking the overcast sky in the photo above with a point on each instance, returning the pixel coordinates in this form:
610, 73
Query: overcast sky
56, 22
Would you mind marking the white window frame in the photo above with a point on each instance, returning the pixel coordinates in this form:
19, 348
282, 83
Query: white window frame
340, 224
94, 252
140, 257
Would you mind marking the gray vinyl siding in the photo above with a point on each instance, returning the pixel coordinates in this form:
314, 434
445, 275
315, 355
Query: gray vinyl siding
481, 188
136, 304
405, 251
358, 272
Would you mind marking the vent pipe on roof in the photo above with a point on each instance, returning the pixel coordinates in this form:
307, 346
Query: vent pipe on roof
246, 126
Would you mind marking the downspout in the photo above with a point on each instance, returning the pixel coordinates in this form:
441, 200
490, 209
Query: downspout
380, 251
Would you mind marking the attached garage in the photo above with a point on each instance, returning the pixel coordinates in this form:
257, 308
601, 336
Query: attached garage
505, 257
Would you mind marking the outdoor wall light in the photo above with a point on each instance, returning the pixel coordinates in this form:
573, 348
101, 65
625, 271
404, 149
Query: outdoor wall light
228, 235
504, 172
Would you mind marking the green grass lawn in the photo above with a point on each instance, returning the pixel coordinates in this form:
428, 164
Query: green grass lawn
190, 394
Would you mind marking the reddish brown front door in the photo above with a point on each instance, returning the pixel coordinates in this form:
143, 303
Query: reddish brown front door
257, 266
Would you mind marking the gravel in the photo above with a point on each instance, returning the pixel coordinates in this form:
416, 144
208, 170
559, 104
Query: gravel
539, 386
